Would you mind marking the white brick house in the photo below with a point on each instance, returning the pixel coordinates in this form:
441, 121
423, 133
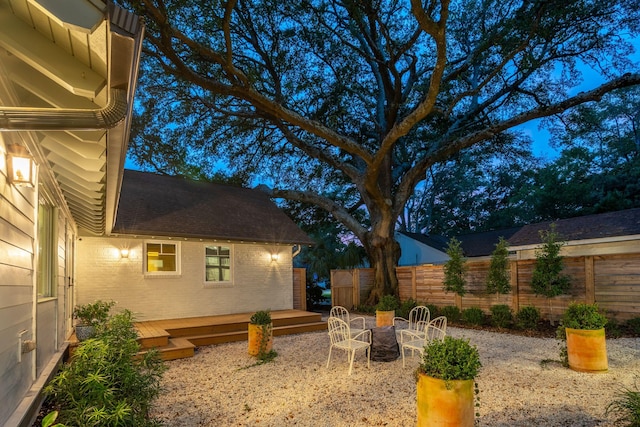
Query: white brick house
191, 249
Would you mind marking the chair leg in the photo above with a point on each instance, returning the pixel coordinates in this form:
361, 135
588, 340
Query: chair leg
402, 348
329, 359
351, 357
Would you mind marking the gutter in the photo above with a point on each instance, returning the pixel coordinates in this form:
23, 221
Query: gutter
50, 119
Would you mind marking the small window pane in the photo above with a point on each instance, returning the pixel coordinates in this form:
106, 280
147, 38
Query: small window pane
217, 263
161, 257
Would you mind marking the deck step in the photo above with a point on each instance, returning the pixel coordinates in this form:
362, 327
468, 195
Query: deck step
241, 335
177, 348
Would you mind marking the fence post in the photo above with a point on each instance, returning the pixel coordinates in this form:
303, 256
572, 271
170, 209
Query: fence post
414, 285
589, 280
356, 287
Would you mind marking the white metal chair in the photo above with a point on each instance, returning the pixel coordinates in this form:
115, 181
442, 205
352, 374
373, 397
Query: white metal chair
435, 330
418, 318
356, 324
341, 338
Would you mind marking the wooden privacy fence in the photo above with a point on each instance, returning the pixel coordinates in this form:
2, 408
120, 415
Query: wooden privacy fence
299, 288
612, 281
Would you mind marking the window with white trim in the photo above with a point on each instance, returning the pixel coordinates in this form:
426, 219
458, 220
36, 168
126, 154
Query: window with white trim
161, 258
217, 264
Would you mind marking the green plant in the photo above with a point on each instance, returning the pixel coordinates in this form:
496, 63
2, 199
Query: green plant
498, 280
626, 407
107, 382
451, 312
405, 307
613, 329
451, 359
473, 316
365, 309
501, 316
583, 316
528, 318
387, 303
93, 314
547, 279
633, 325
50, 419
261, 317
434, 311
455, 268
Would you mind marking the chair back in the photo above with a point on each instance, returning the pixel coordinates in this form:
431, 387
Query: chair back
339, 312
338, 330
436, 329
418, 316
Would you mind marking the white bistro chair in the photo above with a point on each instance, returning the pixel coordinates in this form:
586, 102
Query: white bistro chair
356, 324
435, 330
341, 338
417, 321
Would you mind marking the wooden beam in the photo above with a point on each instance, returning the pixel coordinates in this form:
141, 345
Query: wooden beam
47, 58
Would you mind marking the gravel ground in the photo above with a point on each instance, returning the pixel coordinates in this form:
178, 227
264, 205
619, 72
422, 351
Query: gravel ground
220, 387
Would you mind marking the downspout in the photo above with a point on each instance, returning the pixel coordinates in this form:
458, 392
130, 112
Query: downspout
296, 251
50, 119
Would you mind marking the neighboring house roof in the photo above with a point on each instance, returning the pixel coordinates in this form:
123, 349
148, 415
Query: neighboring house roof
483, 244
597, 226
435, 241
160, 205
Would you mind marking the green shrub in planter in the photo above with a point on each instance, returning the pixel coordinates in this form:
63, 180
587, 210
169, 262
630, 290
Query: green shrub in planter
95, 313
261, 317
528, 317
583, 316
451, 359
473, 316
434, 311
451, 312
501, 316
387, 303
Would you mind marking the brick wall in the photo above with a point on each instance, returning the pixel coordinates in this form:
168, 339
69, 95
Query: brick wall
258, 281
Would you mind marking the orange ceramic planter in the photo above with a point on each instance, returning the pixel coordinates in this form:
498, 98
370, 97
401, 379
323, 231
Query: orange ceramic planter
442, 407
385, 318
587, 350
255, 338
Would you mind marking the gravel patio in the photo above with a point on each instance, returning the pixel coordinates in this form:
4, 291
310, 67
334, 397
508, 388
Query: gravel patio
220, 387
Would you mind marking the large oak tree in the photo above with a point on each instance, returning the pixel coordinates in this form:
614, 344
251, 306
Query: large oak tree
346, 104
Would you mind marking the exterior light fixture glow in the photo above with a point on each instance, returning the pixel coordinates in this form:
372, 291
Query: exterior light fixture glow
274, 257
20, 166
124, 253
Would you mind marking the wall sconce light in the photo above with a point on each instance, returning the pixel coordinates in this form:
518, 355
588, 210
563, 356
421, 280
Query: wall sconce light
20, 166
275, 257
124, 253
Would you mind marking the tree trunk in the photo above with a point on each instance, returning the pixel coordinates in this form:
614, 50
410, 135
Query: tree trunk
383, 254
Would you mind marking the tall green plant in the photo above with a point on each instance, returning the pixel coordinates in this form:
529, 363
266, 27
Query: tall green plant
107, 382
548, 279
455, 268
498, 281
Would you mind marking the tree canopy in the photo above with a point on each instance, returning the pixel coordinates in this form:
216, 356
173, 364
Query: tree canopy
347, 105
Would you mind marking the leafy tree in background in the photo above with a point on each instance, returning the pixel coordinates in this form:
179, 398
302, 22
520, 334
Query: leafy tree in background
455, 268
318, 98
547, 278
498, 280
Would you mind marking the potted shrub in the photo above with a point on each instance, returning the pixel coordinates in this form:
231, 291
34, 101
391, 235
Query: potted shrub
586, 344
386, 310
446, 387
90, 316
260, 333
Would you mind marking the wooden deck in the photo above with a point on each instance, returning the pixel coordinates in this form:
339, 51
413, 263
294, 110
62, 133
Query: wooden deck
178, 338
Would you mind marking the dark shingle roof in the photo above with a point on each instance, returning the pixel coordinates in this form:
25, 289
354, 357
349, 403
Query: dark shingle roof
483, 244
435, 241
152, 204
610, 224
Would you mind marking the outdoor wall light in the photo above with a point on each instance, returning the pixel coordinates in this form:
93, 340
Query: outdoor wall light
275, 257
20, 166
124, 253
